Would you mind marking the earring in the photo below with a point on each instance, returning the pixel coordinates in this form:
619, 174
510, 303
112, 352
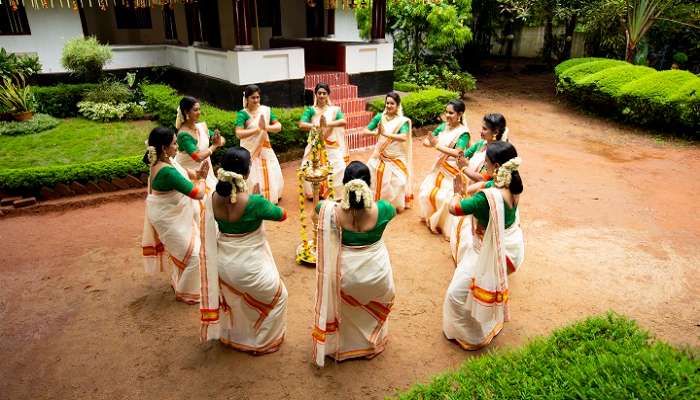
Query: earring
494, 137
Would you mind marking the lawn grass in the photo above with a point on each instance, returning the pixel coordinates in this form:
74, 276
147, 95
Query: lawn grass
76, 140
603, 357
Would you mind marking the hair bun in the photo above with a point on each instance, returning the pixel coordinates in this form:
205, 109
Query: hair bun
224, 189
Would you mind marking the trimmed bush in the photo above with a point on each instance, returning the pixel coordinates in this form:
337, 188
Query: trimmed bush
406, 87
60, 101
30, 180
604, 357
649, 98
642, 95
423, 107
570, 76
572, 62
109, 92
38, 123
162, 101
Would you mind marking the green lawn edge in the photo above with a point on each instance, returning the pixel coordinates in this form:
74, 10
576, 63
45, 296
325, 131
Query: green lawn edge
601, 357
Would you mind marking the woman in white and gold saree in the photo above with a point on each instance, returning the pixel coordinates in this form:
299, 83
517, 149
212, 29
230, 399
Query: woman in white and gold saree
450, 139
175, 219
253, 311
391, 162
254, 123
476, 302
473, 165
195, 141
355, 284
334, 139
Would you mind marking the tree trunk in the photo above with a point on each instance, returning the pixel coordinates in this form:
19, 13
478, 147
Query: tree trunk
569, 37
548, 39
630, 48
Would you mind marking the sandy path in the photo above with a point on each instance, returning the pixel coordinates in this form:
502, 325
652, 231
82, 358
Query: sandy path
609, 219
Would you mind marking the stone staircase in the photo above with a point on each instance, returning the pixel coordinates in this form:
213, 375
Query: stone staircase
344, 95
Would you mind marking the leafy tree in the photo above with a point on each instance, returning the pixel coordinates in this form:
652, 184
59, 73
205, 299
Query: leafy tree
423, 27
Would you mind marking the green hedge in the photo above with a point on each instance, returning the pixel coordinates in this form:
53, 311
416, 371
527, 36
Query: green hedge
424, 107
570, 76
60, 101
38, 123
669, 100
162, 101
573, 62
604, 357
30, 180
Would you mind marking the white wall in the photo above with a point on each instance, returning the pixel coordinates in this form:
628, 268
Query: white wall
369, 57
529, 41
51, 29
238, 67
346, 26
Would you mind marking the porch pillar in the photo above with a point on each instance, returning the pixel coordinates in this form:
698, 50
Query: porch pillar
241, 15
330, 18
276, 19
379, 21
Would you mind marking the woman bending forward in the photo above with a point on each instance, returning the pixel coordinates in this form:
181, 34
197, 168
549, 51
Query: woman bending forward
176, 220
253, 312
355, 285
476, 303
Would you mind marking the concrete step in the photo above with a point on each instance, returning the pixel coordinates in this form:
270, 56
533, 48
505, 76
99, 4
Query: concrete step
355, 141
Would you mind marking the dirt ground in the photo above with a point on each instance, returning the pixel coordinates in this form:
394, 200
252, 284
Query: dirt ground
610, 222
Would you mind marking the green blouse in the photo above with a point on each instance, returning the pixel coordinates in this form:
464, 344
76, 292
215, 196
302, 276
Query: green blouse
478, 205
310, 112
385, 213
375, 122
475, 148
187, 143
243, 116
257, 210
463, 140
169, 178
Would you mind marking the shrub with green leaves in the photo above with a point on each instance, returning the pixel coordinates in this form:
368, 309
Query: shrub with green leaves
60, 101
423, 107
111, 92
30, 180
85, 57
110, 112
603, 357
38, 123
162, 101
13, 66
434, 75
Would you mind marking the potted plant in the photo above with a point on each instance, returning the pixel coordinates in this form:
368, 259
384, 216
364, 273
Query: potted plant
18, 98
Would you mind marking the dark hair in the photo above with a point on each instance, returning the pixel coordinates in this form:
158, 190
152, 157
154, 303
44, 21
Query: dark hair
186, 104
500, 153
497, 123
322, 85
395, 96
236, 159
159, 137
458, 105
250, 90
357, 170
